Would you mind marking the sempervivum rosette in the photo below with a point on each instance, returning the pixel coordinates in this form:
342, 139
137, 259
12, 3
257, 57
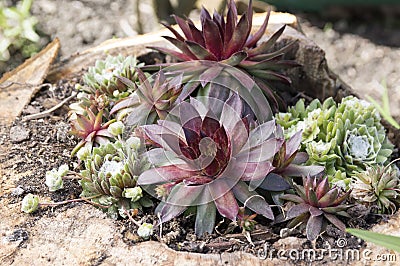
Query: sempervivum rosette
103, 86
91, 129
152, 99
316, 205
230, 41
361, 134
212, 158
345, 138
110, 173
103, 77
377, 186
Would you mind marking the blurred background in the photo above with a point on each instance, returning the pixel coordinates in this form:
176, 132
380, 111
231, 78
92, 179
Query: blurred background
361, 38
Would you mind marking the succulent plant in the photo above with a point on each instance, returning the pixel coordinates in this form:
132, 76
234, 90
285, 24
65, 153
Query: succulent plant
103, 76
245, 221
133, 193
54, 178
316, 204
345, 137
54, 181
377, 186
116, 128
210, 157
111, 172
152, 98
103, 87
90, 129
30, 203
17, 30
145, 230
288, 160
95, 102
230, 42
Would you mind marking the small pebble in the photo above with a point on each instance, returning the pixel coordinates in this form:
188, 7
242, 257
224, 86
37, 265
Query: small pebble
19, 134
18, 191
62, 132
31, 110
17, 235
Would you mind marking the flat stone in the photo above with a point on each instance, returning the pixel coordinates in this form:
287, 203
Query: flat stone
19, 134
29, 110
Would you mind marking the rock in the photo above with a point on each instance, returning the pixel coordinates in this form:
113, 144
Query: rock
62, 131
313, 78
29, 110
18, 191
17, 236
19, 134
287, 243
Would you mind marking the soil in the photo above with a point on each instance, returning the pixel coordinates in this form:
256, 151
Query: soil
29, 149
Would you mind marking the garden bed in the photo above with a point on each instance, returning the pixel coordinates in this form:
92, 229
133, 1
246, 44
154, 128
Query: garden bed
82, 234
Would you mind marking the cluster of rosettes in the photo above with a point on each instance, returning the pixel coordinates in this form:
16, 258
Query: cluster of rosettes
103, 86
104, 75
90, 116
110, 173
346, 138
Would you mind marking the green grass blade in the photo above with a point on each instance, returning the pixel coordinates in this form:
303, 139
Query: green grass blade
385, 114
387, 241
385, 98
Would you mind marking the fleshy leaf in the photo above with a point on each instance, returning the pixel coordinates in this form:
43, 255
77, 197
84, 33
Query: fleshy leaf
314, 227
335, 221
297, 210
164, 174
274, 182
205, 218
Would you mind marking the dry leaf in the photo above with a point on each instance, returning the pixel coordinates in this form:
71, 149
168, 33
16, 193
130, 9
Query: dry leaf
18, 86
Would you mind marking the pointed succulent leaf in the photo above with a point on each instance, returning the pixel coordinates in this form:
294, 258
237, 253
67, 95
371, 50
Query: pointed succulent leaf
252, 200
315, 211
336, 209
179, 55
266, 46
177, 35
322, 188
239, 36
274, 182
200, 52
227, 206
230, 21
205, 218
335, 221
181, 45
297, 210
252, 41
184, 27
164, 174
235, 59
314, 227
168, 211
212, 37
292, 197
329, 198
